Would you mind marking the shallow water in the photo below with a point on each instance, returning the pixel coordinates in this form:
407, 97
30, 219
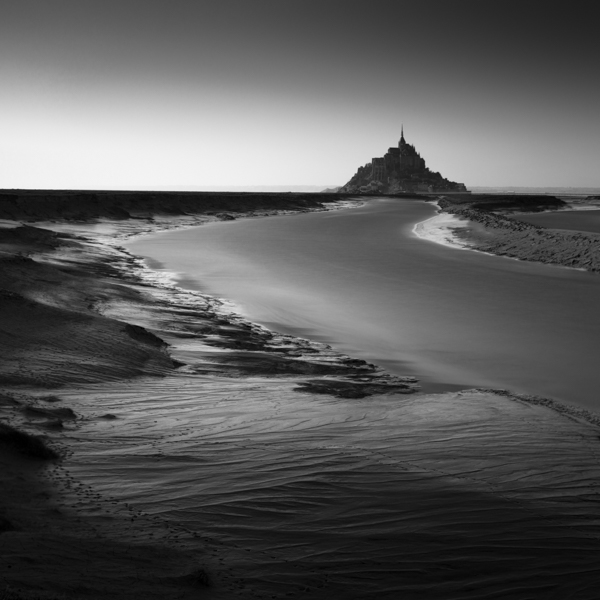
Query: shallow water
575, 220
362, 281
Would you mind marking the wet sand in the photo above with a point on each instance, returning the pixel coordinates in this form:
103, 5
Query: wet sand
502, 233
580, 219
215, 466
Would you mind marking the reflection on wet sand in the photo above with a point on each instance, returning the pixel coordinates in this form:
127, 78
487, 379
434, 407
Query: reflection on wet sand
459, 495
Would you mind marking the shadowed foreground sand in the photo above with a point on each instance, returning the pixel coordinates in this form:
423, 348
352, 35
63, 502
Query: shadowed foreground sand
459, 495
200, 470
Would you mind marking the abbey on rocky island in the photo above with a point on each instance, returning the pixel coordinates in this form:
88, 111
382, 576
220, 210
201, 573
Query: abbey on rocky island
401, 169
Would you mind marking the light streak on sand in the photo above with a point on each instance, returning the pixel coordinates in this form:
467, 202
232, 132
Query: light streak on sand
439, 229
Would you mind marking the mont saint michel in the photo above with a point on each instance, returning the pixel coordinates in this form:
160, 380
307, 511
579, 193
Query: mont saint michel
401, 169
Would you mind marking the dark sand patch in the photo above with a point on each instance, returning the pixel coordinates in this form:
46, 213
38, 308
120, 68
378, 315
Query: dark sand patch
48, 550
11, 439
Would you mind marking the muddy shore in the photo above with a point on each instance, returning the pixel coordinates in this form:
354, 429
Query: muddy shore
491, 229
79, 312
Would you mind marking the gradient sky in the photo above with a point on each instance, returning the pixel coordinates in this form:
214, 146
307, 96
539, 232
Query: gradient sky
197, 93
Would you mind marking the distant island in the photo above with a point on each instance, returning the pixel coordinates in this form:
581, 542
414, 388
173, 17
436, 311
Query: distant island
401, 169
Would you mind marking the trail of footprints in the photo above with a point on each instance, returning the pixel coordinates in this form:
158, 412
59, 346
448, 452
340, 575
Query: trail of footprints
145, 527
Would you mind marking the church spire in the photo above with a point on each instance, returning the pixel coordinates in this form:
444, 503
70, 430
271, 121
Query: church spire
402, 140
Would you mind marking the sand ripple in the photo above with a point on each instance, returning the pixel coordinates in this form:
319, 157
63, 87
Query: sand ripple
462, 495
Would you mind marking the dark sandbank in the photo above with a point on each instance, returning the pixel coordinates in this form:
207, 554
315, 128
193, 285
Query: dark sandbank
587, 220
493, 229
342, 488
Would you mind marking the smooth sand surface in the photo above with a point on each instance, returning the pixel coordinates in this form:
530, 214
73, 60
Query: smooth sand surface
219, 471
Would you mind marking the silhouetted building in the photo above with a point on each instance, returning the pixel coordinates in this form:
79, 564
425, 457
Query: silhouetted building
401, 169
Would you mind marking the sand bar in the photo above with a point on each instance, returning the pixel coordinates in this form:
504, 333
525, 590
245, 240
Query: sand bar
440, 229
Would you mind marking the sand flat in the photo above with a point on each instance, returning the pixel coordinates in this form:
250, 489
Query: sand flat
222, 472
359, 498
